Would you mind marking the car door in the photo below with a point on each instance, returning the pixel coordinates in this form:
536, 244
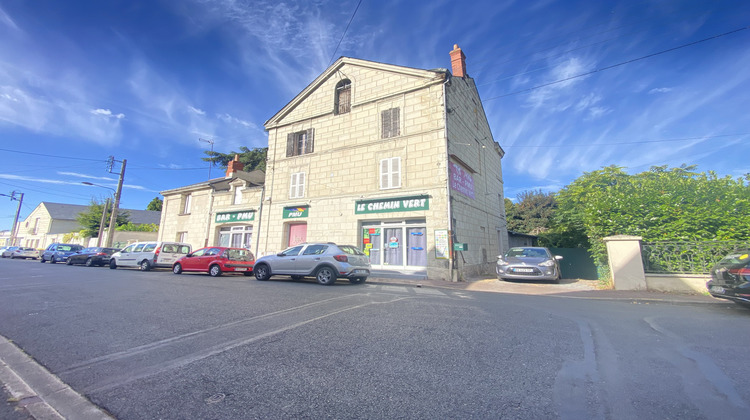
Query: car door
310, 258
130, 254
285, 262
191, 262
207, 258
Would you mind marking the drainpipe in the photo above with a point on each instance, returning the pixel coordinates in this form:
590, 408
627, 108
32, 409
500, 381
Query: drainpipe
449, 200
210, 210
260, 218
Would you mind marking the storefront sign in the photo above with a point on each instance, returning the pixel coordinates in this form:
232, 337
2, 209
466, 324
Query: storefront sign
461, 180
442, 247
236, 216
392, 204
295, 212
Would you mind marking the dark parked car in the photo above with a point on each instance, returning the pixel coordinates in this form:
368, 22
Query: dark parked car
216, 260
92, 256
730, 278
325, 261
58, 252
528, 263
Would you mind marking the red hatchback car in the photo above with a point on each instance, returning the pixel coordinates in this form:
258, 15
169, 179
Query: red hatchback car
216, 260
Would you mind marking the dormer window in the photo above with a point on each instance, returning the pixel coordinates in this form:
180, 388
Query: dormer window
237, 195
343, 97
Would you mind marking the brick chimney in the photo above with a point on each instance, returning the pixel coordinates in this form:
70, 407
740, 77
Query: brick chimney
458, 61
234, 166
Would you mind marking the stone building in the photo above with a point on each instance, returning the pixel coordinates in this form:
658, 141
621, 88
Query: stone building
399, 161
220, 212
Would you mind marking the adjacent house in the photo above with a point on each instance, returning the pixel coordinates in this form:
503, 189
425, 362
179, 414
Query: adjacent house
398, 161
221, 211
50, 222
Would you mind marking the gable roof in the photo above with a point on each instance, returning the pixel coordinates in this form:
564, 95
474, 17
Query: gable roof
436, 74
253, 178
60, 211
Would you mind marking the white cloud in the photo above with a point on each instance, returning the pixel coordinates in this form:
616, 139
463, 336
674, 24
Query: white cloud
197, 111
659, 90
7, 21
107, 113
85, 176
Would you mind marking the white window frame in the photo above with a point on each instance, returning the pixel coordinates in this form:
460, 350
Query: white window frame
181, 236
390, 173
186, 203
297, 185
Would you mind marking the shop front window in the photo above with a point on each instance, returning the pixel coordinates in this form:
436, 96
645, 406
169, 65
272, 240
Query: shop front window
236, 236
395, 243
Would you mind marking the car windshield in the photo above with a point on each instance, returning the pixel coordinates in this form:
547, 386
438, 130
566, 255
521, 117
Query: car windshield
527, 253
65, 248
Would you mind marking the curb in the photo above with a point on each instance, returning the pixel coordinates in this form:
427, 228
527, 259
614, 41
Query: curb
42, 394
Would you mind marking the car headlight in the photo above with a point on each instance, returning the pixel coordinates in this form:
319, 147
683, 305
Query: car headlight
502, 262
548, 263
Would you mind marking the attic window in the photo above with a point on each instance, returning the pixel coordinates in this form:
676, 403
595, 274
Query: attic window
343, 98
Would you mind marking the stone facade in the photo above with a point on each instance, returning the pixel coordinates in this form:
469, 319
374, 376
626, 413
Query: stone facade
218, 209
439, 139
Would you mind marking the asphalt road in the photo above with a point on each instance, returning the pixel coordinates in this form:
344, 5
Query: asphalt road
158, 345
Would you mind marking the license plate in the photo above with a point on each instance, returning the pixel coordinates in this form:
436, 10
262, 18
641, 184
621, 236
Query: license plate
717, 289
523, 270
360, 271
240, 269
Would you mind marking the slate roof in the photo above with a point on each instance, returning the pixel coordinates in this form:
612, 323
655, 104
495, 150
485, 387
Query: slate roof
60, 211
253, 178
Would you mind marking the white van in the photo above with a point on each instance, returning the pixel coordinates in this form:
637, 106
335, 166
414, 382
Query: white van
147, 255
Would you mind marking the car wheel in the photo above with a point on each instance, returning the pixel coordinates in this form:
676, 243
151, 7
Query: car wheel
69, 262
357, 280
112, 264
41, 260
262, 272
89, 262
214, 270
145, 265
325, 276
52, 260
177, 268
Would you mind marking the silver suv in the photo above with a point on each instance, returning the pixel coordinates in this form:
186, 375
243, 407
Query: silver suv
325, 261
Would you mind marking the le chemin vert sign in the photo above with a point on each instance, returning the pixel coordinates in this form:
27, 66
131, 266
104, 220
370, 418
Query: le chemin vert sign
235, 216
388, 205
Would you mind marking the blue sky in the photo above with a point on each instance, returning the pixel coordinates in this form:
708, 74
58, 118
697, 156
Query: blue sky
144, 80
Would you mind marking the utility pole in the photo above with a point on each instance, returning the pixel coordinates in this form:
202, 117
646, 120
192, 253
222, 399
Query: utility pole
13, 229
115, 206
210, 164
101, 223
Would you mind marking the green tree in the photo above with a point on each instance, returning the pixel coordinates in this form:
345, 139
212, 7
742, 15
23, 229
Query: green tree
155, 204
132, 227
662, 203
91, 218
532, 212
253, 159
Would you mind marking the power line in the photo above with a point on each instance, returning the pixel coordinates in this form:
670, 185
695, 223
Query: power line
54, 156
630, 142
617, 65
344, 34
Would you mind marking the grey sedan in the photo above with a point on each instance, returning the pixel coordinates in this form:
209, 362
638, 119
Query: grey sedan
528, 263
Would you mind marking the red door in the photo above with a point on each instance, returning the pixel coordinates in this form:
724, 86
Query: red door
297, 233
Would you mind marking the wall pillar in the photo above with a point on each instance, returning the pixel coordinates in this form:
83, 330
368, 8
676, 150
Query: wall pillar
625, 263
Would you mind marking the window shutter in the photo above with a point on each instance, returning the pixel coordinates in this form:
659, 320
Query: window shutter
310, 143
385, 117
395, 172
293, 186
300, 185
384, 173
395, 122
290, 144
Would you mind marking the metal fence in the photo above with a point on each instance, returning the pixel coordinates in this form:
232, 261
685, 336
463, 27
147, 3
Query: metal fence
686, 257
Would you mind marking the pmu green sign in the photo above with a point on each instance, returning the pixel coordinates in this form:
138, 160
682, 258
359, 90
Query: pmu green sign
388, 205
235, 216
295, 212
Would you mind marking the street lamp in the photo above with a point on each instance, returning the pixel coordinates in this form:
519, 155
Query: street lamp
104, 211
